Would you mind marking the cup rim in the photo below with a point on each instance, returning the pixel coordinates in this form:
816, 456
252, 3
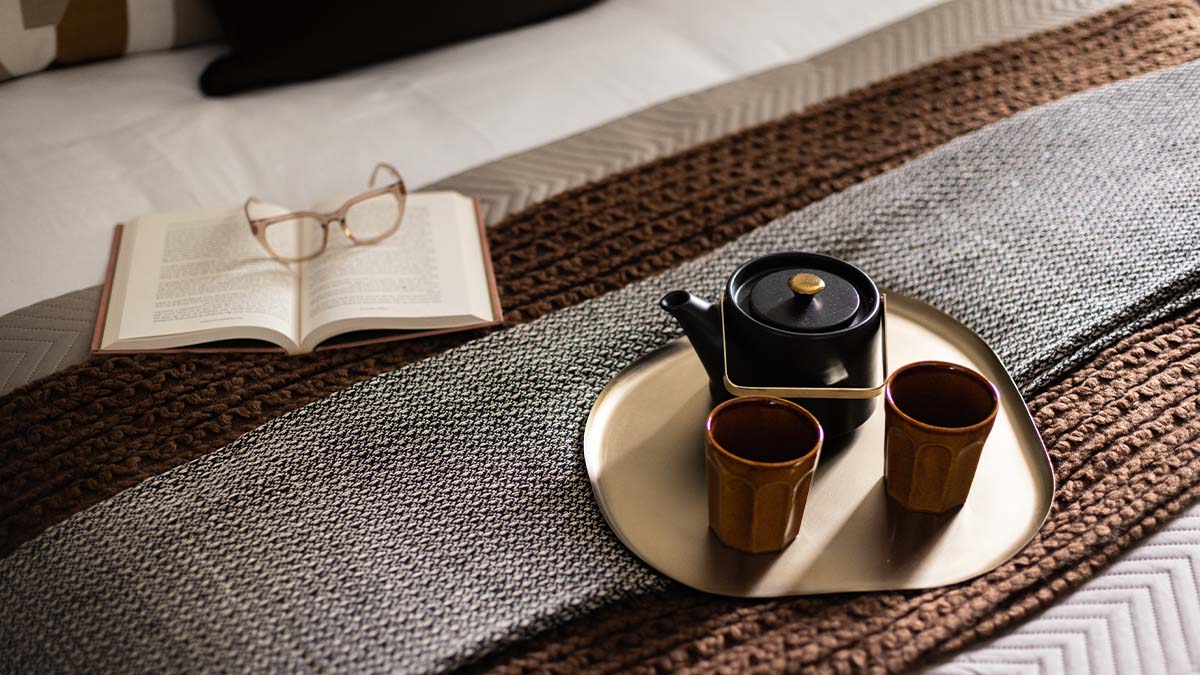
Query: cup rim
759, 400
969, 372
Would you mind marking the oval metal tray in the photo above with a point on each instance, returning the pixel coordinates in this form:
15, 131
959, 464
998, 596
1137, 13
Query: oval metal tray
644, 450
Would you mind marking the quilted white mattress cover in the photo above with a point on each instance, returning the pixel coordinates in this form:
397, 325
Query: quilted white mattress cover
1141, 616
84, 148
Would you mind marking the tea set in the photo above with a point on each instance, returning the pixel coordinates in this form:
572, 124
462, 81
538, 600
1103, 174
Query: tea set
795, 354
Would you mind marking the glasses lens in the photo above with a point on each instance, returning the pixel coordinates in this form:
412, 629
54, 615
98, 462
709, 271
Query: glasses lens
375, 217
295, 238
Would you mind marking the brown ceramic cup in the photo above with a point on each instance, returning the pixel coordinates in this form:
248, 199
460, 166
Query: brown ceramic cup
761, 453
937, 416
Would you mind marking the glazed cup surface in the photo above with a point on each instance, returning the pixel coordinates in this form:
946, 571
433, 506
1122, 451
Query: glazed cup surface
937, 417
760, 456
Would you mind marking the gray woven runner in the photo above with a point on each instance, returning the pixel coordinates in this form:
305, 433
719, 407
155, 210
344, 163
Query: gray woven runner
424, 517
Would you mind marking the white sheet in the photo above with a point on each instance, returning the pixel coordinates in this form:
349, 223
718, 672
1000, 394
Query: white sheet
83, 148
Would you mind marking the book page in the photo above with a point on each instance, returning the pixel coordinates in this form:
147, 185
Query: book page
199, 271
429, 274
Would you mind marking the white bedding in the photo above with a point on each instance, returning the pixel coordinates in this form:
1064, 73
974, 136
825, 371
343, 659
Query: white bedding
84, 148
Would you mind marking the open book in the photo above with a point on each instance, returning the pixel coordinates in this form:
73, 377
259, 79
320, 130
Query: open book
201, 280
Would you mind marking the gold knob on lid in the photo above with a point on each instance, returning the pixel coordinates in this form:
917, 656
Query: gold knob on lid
806, 285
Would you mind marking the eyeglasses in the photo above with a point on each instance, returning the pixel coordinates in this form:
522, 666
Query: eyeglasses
367, 218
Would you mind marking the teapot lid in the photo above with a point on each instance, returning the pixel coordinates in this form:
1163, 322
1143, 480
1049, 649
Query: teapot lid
804, 299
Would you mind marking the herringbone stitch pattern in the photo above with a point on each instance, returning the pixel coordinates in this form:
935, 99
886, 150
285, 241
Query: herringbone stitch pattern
1142, 615
44, 338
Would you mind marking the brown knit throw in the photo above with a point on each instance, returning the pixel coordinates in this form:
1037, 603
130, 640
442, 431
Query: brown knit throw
78, 437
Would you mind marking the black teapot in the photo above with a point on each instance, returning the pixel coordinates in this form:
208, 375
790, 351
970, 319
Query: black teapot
802, 326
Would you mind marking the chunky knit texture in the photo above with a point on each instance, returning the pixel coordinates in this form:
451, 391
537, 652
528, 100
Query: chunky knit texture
81, 436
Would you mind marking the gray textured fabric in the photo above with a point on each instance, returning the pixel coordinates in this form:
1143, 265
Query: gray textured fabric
46, 337
512, 183
425, 516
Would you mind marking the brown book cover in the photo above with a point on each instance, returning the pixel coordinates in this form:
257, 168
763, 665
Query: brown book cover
332, 343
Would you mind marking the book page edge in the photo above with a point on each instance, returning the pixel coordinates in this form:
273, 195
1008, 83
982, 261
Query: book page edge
106, 292
488, 271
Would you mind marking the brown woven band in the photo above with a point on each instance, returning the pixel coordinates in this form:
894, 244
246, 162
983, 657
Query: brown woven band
1124, 434
80, 436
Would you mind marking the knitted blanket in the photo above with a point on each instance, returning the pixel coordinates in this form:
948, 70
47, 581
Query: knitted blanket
432, 513
76, 438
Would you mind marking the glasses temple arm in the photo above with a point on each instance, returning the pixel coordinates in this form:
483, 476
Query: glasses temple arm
386, 167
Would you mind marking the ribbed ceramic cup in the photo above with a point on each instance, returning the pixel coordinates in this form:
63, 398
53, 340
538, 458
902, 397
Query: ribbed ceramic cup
937, 417
761, 453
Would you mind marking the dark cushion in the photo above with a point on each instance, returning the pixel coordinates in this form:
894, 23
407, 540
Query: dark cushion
275, 43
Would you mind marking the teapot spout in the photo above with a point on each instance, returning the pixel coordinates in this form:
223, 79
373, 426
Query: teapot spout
701, 321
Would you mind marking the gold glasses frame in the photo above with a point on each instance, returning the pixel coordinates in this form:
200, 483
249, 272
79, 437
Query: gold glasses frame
258, 226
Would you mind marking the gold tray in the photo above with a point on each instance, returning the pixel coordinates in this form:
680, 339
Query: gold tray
644, 449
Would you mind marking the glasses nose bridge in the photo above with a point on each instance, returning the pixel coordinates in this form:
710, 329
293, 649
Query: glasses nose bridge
327, 219
341, 221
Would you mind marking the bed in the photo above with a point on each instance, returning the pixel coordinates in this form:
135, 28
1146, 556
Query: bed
75, 170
